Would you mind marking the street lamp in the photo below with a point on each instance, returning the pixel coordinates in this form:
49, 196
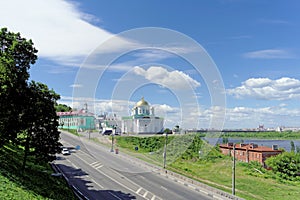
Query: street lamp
112, 138
165, 149
112, 142
233, 171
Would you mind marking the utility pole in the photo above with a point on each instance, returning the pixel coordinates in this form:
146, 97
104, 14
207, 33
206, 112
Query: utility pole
112, 139
112, 142
90, 130
233, 171
165, 150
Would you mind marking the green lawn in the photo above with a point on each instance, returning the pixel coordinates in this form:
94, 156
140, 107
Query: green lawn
35, 182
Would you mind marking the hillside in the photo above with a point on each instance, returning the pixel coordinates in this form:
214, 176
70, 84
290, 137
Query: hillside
35, 182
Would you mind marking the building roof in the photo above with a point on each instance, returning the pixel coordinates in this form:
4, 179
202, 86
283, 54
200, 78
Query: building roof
142, 102
81, 112
250, 147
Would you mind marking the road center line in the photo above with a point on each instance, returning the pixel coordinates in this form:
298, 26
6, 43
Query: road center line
162, 187
97, 183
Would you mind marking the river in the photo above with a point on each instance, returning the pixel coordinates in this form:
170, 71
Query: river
286, 144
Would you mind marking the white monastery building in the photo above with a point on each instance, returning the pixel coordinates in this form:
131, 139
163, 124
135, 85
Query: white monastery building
142, 120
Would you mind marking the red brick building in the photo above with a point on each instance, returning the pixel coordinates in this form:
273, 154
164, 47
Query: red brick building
250, 152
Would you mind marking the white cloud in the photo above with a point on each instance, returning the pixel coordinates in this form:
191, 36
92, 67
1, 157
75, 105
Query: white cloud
150, 55
76, 86
265, 88
272, 117
171, 79
58, 29
164, 108
269, 54
275, 21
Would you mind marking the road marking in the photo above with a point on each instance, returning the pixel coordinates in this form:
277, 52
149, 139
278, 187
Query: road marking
97, 183
73, 164
115, 195
94, 163
138, 191
145, 194
99, 167
162, 187
153, 197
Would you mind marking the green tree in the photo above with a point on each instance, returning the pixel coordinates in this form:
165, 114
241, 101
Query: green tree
293, 146
298, 149
168, 131
62, 108
285, 165
224, 140
16, 56
41, 138
28, 115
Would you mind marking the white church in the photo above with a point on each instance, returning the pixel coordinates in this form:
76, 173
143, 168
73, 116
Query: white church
142, 120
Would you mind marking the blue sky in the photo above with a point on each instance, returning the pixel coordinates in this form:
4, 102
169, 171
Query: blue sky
254, 45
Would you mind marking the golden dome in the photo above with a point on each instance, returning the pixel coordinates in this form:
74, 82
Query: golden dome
142, 102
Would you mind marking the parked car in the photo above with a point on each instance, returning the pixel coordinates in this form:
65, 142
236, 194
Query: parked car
65, 151
107, 132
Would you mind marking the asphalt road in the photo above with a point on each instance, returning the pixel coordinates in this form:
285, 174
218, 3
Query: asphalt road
100, 174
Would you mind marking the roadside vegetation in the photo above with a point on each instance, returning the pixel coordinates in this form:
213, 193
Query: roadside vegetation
35, 182
29, 138
200, 161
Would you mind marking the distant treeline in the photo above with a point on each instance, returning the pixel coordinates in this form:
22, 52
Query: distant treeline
257, 134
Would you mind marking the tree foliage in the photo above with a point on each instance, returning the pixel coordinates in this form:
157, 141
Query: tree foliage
41, 136
285, 165
62, 108
293, 148
28, 115
16, 56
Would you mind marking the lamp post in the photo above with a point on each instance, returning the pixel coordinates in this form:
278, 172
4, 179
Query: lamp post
68, 124
90, 129
112, 142
233, 171
165, 150
112, 138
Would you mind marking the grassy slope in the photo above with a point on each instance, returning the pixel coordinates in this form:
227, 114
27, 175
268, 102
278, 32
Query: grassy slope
35, 183
218, 173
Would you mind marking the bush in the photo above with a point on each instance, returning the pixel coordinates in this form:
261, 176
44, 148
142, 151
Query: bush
285, 165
